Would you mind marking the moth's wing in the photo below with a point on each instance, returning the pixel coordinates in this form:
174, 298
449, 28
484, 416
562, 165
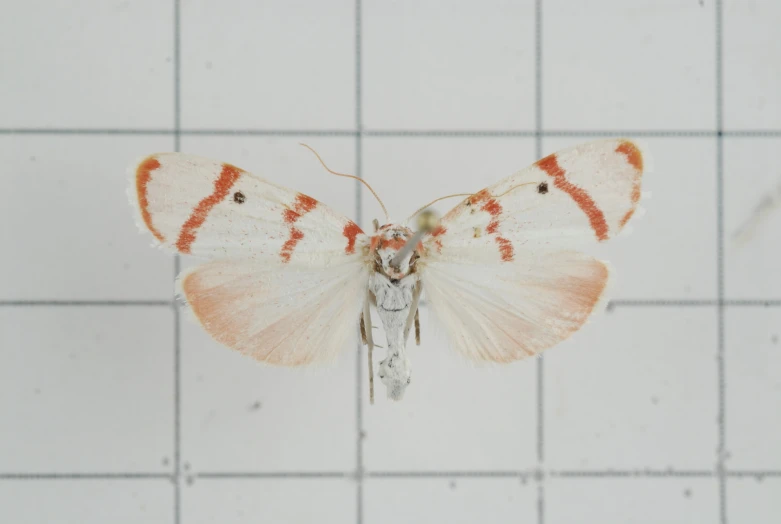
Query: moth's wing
288, 280
211, 209
504, 311
496, 270
580, 195
277, 313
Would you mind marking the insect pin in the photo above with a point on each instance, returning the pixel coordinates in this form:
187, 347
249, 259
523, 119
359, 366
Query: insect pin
288, 281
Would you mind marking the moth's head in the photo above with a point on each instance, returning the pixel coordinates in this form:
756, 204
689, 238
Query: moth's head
386, 244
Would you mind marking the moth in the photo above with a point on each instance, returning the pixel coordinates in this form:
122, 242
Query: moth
289, 281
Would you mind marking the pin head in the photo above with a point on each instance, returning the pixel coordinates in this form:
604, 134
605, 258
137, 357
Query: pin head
427, 220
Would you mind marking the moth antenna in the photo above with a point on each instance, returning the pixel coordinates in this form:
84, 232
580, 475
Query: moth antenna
465, 194
514, 188
359, 179
434, 202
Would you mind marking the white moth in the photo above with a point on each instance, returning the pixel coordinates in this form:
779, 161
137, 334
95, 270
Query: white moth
290, 282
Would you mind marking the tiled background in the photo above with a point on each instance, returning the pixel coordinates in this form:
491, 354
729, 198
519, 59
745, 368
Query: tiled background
115, 408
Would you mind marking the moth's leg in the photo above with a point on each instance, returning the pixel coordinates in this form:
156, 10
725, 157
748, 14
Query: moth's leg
417, 327
376, 225
413, 308
367, 332
363, 331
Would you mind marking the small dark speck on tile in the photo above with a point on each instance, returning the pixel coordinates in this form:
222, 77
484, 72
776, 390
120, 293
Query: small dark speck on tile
654, 400
774, 339
199, 378
363, 434
256, 405
687, 493
190, 479
166, 461
186, 466
452, 484
524, 480
126, 266
32, 158
37, 391
168, 59
760, 478
208, 65
610, 307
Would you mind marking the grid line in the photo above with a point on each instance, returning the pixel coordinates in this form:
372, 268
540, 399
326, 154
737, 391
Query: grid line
359, 474
84, 476
86, 303
667, 302
177, 267
472, 474
540, 368
419, 133
721, 391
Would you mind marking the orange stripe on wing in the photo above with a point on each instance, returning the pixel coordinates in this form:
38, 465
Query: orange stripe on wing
505, 248
633, 154
635, 159
143, 176
302, 205
290, 244
351, 230
584, 201
222, 186
494, 208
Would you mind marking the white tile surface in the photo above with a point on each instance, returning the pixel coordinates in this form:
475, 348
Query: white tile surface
87, 64
639, 501
610, 64
485, 414
753, 354
86, 389
752, 71
238, 415
86, 501
92, 389
634, 389
455, 65
455, 500
64, 208
292, 501
679, 217
754, 500
752, 218
271, 65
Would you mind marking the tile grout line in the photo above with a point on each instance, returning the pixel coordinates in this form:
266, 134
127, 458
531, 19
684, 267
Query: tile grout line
393, 133
472, 474
721, 451
540, 371
359, 219
757, 302
177, 268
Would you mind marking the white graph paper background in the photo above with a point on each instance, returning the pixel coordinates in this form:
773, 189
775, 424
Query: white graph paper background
114, 407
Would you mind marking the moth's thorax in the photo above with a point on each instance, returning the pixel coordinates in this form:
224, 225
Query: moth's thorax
385, 244
394, 300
